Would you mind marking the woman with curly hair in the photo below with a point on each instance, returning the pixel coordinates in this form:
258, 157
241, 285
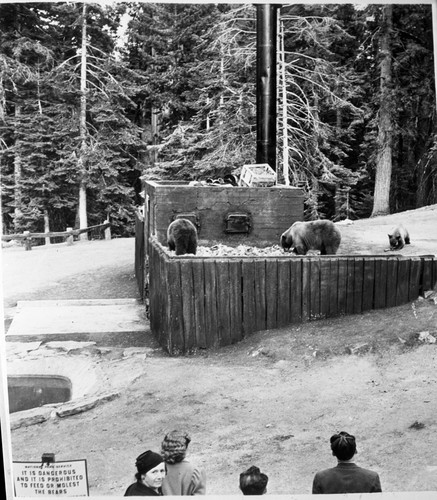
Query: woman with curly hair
182, 477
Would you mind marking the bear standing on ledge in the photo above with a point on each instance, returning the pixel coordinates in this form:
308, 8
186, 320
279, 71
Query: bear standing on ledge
320, 235
182, 237
398, 238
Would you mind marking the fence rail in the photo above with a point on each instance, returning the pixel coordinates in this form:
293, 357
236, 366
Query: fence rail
68, 234
205, 302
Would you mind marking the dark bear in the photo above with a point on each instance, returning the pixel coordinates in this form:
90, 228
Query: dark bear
320, 235
182, 237
398, 238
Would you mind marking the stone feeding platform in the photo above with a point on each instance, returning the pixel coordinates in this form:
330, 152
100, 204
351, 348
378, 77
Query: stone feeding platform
113, 322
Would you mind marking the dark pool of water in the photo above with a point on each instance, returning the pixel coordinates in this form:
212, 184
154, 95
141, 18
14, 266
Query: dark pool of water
32, 391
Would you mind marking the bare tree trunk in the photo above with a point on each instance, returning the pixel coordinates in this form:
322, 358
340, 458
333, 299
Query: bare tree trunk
208, 119
17, 177
155, 119
222, 99
83, 217
381, 199
2, 100
426, 192
155, 134
284, 104
339, 119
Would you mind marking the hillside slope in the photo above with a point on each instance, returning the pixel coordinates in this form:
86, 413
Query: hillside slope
370, 235
271, 400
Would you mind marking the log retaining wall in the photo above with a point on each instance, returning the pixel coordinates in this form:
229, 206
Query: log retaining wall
203, 302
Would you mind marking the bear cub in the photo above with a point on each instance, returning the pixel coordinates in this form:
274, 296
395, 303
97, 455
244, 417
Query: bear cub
182, 237
398, 238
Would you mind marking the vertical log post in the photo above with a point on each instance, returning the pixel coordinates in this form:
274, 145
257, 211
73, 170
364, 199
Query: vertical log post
27, 241
69, 238
48, 458
47, 227
107, 230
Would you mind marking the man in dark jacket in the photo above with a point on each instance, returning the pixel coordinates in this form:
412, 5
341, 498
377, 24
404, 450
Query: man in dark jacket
346, 477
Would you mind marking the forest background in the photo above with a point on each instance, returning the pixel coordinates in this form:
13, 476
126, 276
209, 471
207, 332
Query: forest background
89, 111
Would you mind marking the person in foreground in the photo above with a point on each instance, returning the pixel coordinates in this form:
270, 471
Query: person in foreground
151, 472
182, 477
253, 482
346, 477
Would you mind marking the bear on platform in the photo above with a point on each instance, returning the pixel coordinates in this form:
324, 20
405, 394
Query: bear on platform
182, 237
398, 238
320, 235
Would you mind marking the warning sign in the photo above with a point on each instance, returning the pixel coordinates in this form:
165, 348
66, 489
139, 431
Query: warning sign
33, 479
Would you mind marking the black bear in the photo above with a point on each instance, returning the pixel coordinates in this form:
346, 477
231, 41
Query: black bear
182, 237
320, 235
398, 238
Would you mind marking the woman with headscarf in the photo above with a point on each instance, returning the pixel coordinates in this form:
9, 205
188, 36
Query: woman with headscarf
182, 477
151, 472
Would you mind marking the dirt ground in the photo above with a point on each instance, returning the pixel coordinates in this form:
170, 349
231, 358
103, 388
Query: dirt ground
272, 400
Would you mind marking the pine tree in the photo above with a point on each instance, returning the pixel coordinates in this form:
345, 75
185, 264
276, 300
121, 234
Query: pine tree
46, 131
23, 59
320, 88
412, 103
381, 205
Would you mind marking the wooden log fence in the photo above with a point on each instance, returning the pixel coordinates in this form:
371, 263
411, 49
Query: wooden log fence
68, 234
203, 302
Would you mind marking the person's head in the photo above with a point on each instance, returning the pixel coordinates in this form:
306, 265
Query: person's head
151, 469
253, 481
343, 446
174, 446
